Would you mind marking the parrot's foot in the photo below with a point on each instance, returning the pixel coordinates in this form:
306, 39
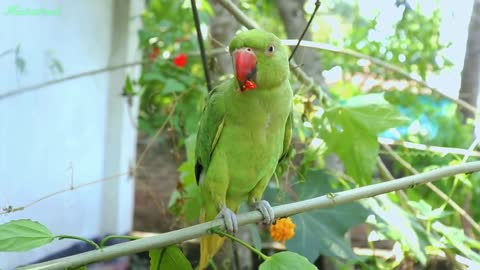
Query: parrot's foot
230, 219
266, 210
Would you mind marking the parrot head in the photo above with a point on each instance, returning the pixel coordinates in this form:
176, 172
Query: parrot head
259, 60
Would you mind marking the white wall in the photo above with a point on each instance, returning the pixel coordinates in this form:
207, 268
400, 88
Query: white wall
81, 124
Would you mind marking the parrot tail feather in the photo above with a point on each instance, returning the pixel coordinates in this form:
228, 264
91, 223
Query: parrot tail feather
209, 246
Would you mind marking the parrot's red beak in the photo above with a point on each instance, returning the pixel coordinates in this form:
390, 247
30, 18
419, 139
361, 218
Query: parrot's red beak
245, 63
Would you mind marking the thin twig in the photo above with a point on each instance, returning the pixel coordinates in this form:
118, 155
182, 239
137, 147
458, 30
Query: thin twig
11, 209
436, 190
90, 242
378, 62
241, 17
7, 210
317, 5
201, 45
22, 90
470, 151
199, 230
18, 91
153, 139
404, 200
431, 148
8, 51
240, 241
388, 176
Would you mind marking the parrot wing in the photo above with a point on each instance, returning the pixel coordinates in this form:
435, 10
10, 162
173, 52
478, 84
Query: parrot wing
287, 148
210, 129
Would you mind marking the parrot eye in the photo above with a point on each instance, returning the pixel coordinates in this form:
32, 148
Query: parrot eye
270, 50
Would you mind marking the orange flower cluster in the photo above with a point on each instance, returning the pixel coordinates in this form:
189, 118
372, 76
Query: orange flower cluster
282, 230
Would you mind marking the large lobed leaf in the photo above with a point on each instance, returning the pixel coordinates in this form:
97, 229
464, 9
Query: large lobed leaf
354, 126
457, 238
23, 234
321, 232
168, 258
286, 260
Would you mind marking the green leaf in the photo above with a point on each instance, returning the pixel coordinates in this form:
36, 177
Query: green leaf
23, 234
19, 61
327, 225
128, 87
358, 151
286, 260
193, 203
425, 211
153, 76
254, 233
398, 225
457, 238
172, 86
370, 112
168, 258
353, 131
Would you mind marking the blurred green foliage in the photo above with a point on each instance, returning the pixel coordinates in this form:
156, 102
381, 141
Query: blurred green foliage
349, 127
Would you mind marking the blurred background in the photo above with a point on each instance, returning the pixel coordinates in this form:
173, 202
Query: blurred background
100, 102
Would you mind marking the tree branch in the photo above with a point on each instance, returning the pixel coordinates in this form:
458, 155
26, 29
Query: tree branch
436, 190
331, 48
199, 230
432, 148
15, 92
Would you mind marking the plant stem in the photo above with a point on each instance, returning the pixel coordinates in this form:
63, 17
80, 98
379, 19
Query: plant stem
203, 55
243, 243
435, 189
317, 5
34, 87
64, 236
178, 236
129, 237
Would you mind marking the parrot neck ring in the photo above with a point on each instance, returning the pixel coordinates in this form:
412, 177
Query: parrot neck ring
245, 63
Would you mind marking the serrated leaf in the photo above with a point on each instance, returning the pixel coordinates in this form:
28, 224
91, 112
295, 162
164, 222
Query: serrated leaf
23, 234
327, 226
286, 260
168, 258
153, 76
355, 125
357, 150
457, 238
372, 112
399, 225
172, 86
422, 206
426, 212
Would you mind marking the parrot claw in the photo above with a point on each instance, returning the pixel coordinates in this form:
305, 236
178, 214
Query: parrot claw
266, 210
230, 219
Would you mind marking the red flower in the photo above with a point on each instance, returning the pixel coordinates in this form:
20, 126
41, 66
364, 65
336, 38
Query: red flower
180, 60
154, 54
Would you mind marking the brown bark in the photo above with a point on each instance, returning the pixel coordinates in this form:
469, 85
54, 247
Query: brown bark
293, 17
223, 27
471, 65
470, 83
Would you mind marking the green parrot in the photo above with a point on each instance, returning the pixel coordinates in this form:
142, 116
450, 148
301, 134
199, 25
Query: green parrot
244, 132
